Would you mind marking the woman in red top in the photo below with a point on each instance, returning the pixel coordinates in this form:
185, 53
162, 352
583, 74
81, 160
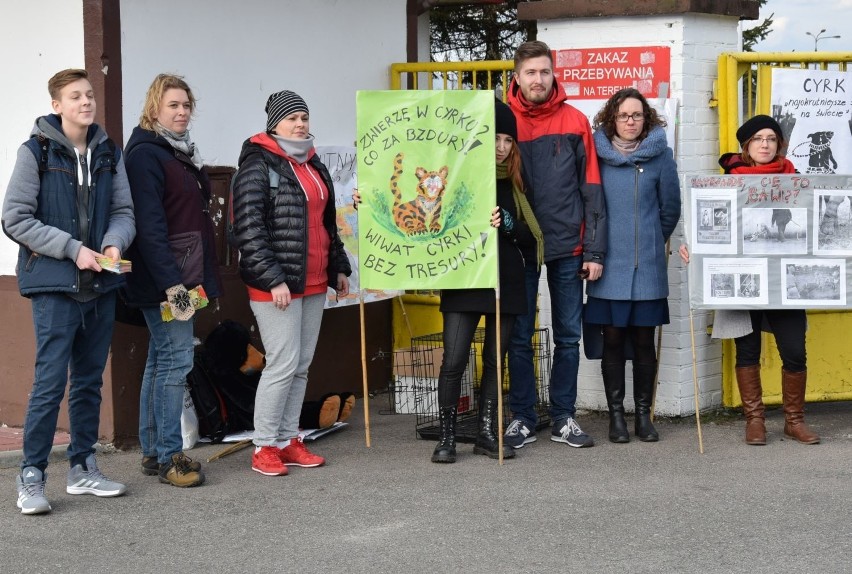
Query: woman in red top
290, 254
761, 140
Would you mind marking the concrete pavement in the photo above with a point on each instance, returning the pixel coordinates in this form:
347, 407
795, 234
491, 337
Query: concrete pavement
637, 507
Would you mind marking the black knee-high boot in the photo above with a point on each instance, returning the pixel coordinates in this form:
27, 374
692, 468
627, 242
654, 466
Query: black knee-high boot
613, 378
445, 451
487, 441
643, 395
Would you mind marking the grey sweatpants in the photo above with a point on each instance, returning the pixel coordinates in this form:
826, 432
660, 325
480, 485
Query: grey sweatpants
289, 338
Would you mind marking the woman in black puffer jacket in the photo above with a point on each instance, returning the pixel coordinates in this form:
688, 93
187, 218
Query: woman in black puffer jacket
290, 254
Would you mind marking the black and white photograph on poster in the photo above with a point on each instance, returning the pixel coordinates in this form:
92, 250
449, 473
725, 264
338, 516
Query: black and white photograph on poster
735, 282
814, 110
714, 212
749, 286
832, 222
813, 282
775, 231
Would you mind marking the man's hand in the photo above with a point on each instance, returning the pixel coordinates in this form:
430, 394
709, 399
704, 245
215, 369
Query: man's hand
594, 270
113, 253
87, 259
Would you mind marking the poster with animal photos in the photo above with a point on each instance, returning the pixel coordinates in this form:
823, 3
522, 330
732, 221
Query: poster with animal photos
769, 241
427, 180
814, 110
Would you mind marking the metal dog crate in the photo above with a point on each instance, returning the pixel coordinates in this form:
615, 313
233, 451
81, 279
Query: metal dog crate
416, 384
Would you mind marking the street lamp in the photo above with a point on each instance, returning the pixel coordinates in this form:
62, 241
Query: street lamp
819, 37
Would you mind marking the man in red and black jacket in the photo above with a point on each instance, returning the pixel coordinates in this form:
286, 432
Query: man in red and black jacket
564, 187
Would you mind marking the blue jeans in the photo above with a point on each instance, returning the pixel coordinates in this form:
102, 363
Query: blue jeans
566, 300
70, 336
170, 356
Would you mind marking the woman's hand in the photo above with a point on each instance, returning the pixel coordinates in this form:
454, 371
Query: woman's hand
501, 217
356, 197
281, 296
683, 251
342, 285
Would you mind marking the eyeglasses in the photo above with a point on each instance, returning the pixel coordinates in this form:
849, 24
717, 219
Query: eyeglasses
767, 140
636, 117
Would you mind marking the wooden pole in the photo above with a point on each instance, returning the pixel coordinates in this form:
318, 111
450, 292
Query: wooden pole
659, 349
499, 351
237, 446
695, 383
364, 369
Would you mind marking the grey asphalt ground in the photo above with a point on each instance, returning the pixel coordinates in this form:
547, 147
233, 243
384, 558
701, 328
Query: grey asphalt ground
637, 507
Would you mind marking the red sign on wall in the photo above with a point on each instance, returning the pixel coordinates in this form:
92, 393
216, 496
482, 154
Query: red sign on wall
597, 73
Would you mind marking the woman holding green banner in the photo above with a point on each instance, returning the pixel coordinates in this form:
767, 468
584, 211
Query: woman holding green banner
519, 237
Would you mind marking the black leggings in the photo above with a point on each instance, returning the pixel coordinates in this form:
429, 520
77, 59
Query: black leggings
642, 339
788, 326
459, 329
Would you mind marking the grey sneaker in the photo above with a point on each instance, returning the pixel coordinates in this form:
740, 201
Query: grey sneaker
92, 481
518, 434
569, 432
31, 499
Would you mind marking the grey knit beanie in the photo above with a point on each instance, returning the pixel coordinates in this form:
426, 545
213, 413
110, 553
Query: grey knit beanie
282, 104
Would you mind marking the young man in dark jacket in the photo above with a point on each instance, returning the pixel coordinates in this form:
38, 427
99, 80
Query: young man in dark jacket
563, 185
67, 205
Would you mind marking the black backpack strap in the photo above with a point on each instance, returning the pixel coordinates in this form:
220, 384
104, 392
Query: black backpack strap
39, 150
113, 154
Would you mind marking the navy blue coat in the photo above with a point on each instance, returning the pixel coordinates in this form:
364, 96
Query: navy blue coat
175, 240
41, 211
642, 196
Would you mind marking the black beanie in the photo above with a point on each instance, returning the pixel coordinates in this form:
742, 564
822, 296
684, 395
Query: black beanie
282, 104
754, 125
504, 120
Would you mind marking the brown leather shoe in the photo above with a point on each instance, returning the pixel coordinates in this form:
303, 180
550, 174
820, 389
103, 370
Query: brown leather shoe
793, 391
751, 391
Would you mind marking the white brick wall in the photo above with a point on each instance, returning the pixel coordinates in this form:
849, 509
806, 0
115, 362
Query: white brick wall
696, 40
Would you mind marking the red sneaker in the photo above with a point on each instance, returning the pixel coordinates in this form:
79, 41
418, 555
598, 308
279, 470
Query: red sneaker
266, 461
297, 454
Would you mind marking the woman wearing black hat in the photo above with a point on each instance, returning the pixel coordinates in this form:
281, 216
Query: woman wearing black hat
290, 254
462, 309
761, 140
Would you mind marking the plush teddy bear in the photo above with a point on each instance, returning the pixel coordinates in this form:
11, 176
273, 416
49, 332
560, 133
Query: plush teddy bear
329, 409
234, 365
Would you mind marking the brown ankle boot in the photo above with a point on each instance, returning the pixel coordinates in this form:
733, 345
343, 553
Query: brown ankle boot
793, 391
748, 380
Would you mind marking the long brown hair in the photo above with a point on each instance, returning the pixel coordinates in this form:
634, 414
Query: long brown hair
513, 166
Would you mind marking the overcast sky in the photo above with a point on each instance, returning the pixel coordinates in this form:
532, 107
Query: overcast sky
795, 17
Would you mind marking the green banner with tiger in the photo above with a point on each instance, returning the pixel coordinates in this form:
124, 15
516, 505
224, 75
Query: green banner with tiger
426, 177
